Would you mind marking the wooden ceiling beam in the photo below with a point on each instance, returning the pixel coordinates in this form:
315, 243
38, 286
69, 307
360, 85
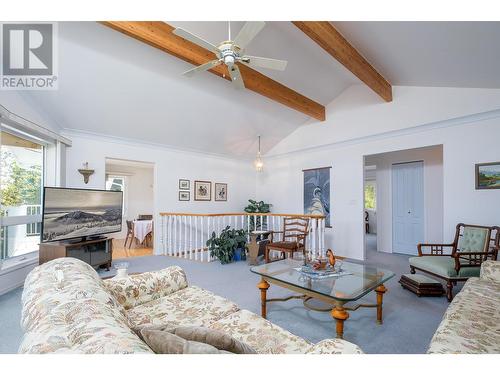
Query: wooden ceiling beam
159, 35
325, 34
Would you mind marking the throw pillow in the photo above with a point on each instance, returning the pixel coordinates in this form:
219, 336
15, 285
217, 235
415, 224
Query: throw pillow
192, 340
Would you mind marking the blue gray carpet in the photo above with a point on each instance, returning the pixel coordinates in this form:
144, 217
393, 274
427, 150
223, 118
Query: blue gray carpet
409, 321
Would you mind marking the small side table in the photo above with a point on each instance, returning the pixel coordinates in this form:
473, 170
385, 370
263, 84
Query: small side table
255, 245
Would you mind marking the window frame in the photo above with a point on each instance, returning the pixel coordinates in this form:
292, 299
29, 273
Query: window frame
27, 220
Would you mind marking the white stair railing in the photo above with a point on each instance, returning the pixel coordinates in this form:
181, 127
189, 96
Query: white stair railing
185, 234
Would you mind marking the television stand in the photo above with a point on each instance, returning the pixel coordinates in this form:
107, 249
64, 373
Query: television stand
96, 252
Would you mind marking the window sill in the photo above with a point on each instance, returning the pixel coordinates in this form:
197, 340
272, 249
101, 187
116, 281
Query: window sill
11, 265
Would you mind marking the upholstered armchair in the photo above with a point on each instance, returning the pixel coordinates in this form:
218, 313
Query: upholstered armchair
461, 259
293, 237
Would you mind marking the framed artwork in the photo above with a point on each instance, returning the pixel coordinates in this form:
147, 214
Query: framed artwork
317, 192
202, 191
488, 176
220, 192
184, 195
184, 184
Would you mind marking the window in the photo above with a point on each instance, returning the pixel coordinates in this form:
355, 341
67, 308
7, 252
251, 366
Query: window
33, 229
370, 195
118, 183
21, 181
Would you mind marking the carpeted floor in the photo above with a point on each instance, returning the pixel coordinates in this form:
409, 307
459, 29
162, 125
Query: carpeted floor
409, 321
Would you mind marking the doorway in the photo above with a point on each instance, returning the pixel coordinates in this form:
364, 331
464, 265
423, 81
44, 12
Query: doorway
404, 201
136, 180
407, 207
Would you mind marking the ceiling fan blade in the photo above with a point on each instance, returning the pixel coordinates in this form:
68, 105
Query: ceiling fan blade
201, 68
248, 32
264, 62
196, 40
236, 78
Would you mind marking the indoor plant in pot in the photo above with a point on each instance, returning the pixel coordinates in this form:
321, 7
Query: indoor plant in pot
229, 245
257, 207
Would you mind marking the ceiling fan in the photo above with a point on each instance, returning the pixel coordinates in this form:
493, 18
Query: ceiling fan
232, 51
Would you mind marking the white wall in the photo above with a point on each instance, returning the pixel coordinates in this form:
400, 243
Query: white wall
139, 191
469, 139
170, 166
432, 158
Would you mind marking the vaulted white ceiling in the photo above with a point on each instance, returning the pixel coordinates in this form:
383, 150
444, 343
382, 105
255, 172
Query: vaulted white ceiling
114, 85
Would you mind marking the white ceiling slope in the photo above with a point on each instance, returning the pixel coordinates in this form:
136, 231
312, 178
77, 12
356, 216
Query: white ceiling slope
115, 85
444, 54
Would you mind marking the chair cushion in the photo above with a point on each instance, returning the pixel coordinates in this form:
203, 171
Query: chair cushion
474, 240
288, 245
192, 340
443, 266
191, 306
260, 334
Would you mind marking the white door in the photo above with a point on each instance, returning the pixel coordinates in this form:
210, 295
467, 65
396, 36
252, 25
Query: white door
407, 207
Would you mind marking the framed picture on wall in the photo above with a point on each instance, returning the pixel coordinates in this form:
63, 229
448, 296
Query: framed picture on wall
317, 192
184, 184
488, 176
220, 192
202, 191
184, 195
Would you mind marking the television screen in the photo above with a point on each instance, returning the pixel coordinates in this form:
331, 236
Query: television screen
72, 213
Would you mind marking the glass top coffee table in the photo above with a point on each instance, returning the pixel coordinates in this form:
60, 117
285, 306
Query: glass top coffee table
356, 281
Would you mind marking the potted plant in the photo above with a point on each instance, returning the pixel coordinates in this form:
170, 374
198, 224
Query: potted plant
257, 207
229, 245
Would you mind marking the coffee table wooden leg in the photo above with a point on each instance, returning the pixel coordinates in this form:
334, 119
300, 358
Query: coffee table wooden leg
340, 316
263, 286
381, 289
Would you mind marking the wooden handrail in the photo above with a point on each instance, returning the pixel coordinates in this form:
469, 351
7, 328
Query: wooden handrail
242, 214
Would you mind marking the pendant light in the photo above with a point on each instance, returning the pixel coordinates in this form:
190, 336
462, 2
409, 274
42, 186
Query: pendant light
258, 163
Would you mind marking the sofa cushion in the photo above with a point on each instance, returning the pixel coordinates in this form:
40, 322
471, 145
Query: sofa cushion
67, 309
192, 340
145, 287
261, 334
190, 306
334, 346
471, 323
443, 266
490, 271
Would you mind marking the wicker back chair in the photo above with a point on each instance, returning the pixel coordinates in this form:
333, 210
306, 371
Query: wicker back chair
292, 238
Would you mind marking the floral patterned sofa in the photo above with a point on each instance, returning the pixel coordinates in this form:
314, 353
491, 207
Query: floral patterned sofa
471, 323
67, 308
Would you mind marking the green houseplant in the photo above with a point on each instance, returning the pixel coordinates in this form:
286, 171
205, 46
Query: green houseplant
224, 246
257, 207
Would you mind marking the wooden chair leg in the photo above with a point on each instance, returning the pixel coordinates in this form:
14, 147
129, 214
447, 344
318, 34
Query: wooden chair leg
449, 290
266, 254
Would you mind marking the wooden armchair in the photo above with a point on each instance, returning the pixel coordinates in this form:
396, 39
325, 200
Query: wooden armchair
461, 259
293, 237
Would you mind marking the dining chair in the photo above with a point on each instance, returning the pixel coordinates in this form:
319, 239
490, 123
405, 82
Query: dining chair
293, 237
130, 233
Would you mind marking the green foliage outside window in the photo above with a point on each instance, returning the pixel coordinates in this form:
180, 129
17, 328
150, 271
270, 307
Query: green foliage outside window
370, 196
20, 185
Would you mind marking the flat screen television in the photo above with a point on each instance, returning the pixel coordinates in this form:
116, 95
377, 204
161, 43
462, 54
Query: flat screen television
80, 213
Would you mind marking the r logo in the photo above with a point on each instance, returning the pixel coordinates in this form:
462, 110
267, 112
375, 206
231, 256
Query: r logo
27, 49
